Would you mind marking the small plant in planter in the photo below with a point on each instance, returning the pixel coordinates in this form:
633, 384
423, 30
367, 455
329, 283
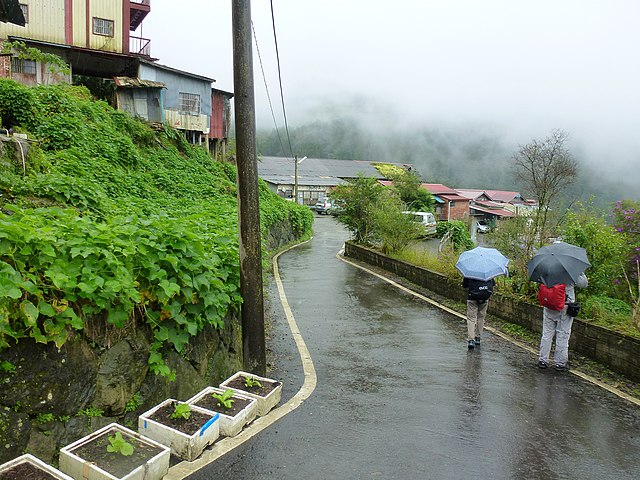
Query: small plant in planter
224, 400
104, 455
181, 411
236, 410
251, 382
117, 444
29, 467
186, 429
267, 391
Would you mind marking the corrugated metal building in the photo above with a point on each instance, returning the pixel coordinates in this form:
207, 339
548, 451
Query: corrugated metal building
186, 102
92, 36
140, 98
220, 121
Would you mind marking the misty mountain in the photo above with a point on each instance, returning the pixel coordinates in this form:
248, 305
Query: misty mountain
460, 156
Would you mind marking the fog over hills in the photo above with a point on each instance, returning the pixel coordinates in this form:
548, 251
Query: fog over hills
465, 154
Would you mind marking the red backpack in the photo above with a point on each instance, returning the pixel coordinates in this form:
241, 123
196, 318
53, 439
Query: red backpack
552, 297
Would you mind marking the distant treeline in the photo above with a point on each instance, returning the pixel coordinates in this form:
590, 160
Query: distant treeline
460, 157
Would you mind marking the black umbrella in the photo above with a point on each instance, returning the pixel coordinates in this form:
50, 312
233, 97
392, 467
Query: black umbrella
558, 263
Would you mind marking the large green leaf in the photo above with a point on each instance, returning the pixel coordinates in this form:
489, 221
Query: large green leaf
29, 312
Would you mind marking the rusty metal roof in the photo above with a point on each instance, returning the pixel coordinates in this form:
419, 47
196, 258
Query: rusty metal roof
131, 82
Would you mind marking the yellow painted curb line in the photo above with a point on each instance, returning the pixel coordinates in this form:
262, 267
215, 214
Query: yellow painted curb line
220, 448
498, 333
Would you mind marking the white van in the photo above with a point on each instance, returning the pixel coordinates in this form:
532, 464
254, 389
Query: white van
427, 219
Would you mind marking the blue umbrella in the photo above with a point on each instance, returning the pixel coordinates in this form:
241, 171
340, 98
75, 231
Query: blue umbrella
482, 263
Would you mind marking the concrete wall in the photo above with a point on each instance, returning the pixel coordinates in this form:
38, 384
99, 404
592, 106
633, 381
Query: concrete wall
618, 352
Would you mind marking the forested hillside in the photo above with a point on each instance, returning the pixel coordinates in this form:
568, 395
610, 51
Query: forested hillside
461, 156
105, 220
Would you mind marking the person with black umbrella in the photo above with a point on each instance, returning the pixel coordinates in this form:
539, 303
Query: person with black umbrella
559, 268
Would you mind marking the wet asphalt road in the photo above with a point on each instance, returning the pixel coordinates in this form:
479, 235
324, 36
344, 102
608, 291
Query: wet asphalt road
400, 397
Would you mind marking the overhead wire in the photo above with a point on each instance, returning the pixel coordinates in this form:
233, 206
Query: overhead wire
264, 78
284, 111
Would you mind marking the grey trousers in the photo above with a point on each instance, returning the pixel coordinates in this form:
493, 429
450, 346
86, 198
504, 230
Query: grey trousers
476, 313
558, 324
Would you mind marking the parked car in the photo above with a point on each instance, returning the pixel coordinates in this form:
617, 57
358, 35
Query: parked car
483, 227
323, 206
426, 219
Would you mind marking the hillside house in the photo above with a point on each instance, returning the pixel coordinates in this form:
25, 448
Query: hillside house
140, 98
97, 38
94, 37
491, 205
186, 102
220, 121
450, 205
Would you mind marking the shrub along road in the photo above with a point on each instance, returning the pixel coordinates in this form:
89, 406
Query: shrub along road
400, 396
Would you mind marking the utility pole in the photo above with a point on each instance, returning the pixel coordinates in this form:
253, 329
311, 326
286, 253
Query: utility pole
253, 337
295, 178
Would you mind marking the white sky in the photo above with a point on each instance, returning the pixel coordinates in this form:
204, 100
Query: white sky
526, 66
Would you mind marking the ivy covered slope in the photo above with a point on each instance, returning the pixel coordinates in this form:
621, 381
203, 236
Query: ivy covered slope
106, 220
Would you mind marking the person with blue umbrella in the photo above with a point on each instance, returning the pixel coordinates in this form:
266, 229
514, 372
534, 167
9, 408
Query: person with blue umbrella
479, 266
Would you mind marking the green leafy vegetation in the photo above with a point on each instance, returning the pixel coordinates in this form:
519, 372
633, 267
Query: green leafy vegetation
251, 382
7, 367
117, 444
373, 215
45, 418
90, 412
181, 411
109, 221
21, 51
224, 399
133, 404
456, 233
611, 299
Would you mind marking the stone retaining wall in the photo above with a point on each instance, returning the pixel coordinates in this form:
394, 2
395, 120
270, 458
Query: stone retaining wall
618, 352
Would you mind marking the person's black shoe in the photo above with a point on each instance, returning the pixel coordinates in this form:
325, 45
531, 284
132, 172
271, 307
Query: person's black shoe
543, 364
477, 341
471, 344
561, 368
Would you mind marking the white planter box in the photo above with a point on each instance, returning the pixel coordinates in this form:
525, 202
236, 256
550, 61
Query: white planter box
266, 402
230, 426
186, 446
36, 463
79, 467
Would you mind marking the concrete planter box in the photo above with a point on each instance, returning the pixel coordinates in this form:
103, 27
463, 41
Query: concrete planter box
230, 426
79, 467
36, 464
186, 446
265, 402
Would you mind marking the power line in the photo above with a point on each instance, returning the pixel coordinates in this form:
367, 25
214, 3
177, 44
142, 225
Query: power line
266, 87
284, 112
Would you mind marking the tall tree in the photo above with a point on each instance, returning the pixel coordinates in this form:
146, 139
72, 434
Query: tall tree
544, 168
409, 187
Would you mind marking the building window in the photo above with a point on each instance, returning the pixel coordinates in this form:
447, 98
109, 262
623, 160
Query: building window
18, 65
25, 12
189, 103
102, 26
